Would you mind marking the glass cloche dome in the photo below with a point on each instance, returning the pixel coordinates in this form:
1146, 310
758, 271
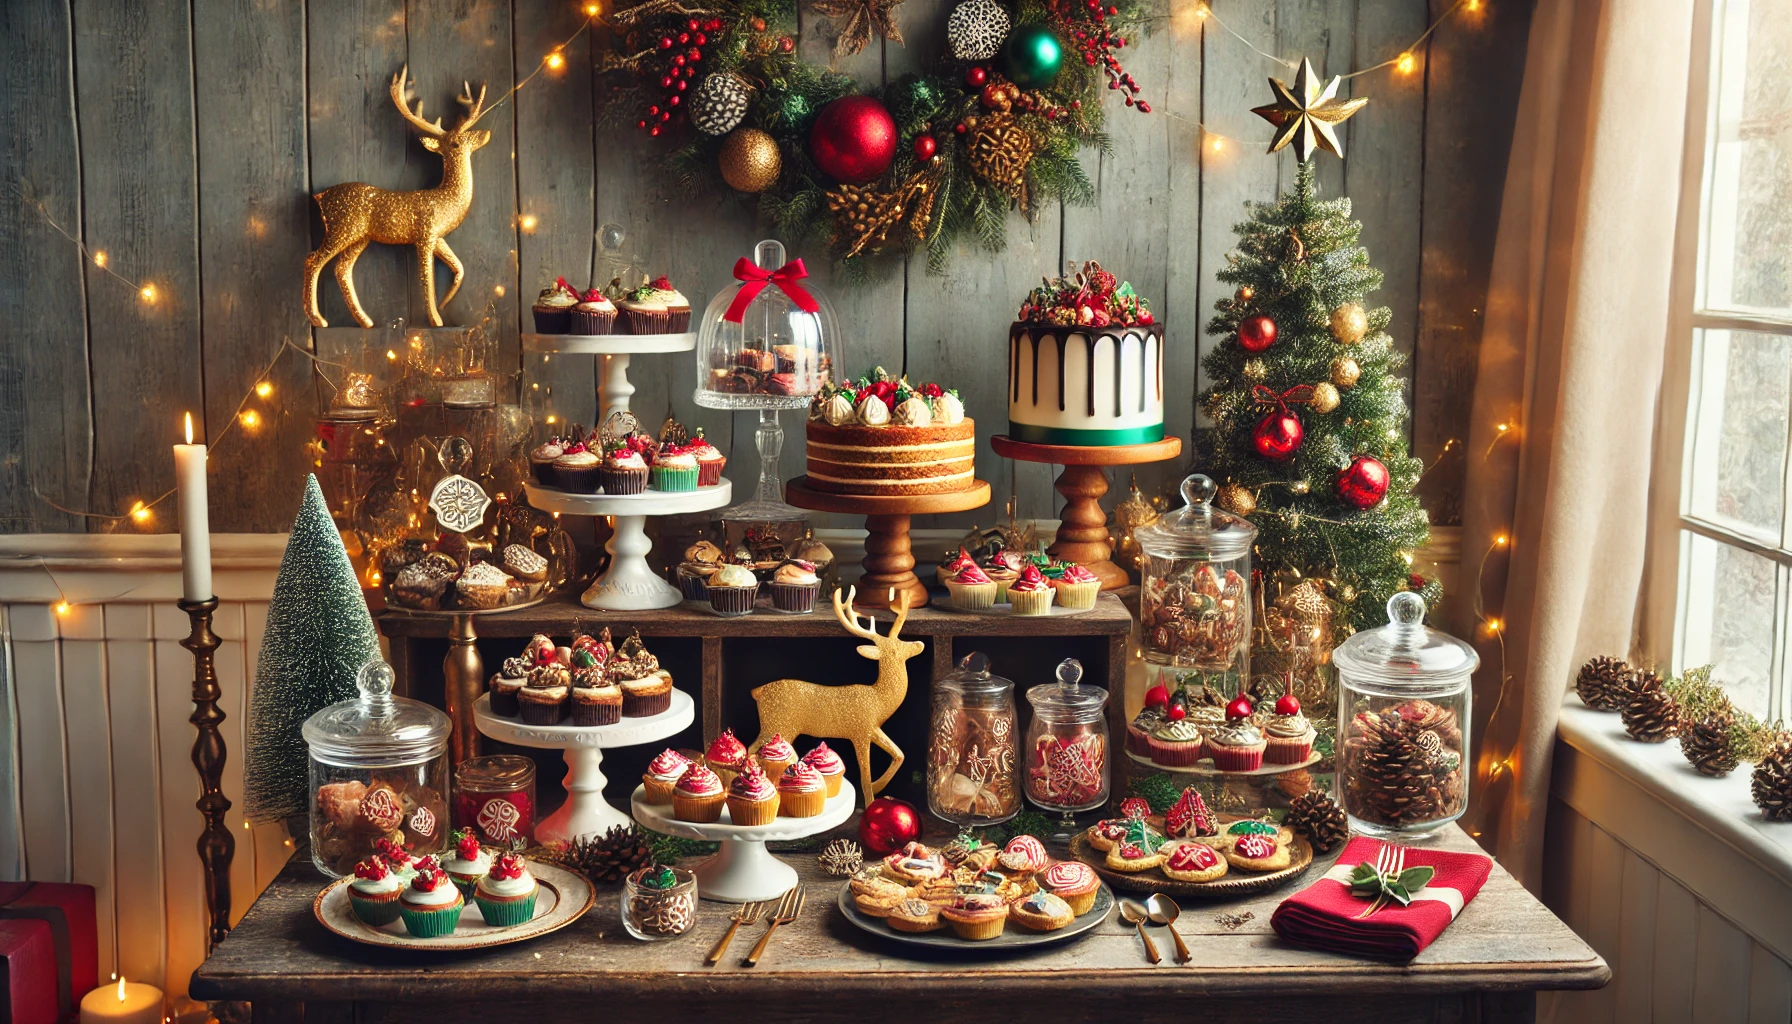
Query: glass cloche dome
779, 346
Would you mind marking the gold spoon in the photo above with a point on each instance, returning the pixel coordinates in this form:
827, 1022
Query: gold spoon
1136, 915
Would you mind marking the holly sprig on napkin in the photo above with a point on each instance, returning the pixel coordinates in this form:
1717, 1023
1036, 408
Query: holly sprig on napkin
1391, 886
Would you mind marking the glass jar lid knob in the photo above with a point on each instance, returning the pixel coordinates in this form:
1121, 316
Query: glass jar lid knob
1198, 490
1070, 672
375, 681
1406, 620
974, 665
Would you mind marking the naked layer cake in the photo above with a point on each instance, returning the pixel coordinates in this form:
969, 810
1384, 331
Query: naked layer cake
881, 435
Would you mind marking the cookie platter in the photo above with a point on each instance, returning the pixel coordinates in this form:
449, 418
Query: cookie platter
1237, 881
1010, 939
564, 896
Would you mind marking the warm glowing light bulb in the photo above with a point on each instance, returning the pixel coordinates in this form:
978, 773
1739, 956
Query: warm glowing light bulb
591, 10
1494, 625
147, 293
499, 291
1200, 10
1217, 144
1471, 6
62, 607
1502, 427
527, 221
391, 356
1405, 63
535, 386
555, 61
551, 419
99, 258
250, 418
264, 389
1500, 540
140, 512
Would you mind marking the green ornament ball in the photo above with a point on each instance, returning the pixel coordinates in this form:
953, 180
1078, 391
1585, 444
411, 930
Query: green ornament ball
1033, 56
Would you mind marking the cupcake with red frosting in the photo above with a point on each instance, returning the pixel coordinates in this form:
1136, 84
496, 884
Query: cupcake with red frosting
624, 468
1077, 587
775, 755
801, 791
1073, 882
595, 313
662, 773
968, 585
828, 763
727, 756
506, 895
468, 863
1030, 594
431, 904
674, 468
710, 460
752, 799
698, 796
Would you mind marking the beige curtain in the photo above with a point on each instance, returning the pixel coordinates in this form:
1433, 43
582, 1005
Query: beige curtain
1570, 362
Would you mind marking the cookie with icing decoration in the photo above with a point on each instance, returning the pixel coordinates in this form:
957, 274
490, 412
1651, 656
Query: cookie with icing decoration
1257, 853
1194, 862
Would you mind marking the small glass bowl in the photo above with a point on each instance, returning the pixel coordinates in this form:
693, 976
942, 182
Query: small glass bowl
654, 914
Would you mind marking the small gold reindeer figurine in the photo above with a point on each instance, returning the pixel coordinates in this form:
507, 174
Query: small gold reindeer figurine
856, 713
356, 213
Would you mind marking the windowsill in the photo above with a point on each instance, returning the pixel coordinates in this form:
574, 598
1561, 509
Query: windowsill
1704, 832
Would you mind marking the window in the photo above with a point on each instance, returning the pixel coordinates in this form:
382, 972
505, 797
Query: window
1723, 542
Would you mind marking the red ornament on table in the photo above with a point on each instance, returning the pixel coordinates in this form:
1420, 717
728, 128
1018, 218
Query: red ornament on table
1363, 483
1256, 333
888, 823
853, 140
925, 147
1278, 435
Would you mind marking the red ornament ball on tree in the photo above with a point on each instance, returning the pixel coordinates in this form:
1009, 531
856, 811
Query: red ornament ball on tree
975, 77
925, 147
1278, 435
1256, 333
888, 823
853, 140
1363, 483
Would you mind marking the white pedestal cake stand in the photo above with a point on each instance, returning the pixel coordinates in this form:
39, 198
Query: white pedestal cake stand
613, 387
743, 871
630, 584
585, 811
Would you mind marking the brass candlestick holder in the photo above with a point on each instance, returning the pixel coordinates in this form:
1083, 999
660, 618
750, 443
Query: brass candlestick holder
217, 847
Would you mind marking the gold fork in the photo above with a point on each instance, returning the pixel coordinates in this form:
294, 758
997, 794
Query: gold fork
746, 913
790, 905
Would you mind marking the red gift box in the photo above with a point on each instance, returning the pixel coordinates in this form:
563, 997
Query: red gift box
1327, 915
68, 911
29, 979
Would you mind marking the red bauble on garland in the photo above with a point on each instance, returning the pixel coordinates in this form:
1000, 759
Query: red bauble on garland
1363, 483
853, 140
887, 824
1278, 435
925, 147
1256, 333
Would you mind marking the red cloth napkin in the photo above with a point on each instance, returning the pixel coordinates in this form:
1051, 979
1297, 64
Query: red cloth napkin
1324, 914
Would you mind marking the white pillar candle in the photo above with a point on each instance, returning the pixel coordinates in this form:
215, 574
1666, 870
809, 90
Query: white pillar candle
124, 1003
195, 519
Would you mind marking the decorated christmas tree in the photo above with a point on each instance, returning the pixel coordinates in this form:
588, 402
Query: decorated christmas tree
1308, 438
317, 638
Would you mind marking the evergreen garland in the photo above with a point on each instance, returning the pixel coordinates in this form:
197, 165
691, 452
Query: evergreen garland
318, 636
1300, 259
754, 43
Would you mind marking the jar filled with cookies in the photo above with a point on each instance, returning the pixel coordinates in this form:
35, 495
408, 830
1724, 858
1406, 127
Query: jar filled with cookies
1194, 600
379, 771
1403, 718
972, 746
1067, 743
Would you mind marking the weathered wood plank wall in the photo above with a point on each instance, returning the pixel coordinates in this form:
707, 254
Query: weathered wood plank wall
184, 138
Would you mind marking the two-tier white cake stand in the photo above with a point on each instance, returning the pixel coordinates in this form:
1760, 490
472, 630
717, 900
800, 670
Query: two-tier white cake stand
630, 584
743, 871
585, 812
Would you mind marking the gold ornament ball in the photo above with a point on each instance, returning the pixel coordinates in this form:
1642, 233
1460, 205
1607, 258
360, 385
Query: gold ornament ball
1325, 397
1349, 323
1345, 372
1255, 371
750, 160
1237, 500
1246, 293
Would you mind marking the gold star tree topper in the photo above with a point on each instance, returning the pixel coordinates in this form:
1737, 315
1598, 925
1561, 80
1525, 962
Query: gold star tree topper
1307, 114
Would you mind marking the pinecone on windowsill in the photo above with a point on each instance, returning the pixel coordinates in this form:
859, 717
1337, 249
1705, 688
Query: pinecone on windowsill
1710, 744
1604, 682
1771, 785
1651, 715
1313, 815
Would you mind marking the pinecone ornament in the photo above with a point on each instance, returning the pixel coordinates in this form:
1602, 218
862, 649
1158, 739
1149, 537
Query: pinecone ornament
1603, 683
975, 29
1313, 815
1000, 150
720, 103
1709, 744
841, 858
607, 858
1650, 715
1771, 785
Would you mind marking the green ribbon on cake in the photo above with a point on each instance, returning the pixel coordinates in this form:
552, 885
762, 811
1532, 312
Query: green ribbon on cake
1085, 438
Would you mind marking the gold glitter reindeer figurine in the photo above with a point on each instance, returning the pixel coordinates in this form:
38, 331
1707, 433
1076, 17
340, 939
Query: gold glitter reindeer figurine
356, 213
856, 713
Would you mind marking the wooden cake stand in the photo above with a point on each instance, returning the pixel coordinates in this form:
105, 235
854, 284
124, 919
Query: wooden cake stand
889, 560
1083, 526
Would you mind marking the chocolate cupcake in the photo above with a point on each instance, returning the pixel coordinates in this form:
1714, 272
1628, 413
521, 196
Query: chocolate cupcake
794, 587
702, 560
646, 687
578, 470
543, 700
643, 312
624, 469
595, 314
678, 308
597, 705
506, 683
541, 460
553, 308
732, 590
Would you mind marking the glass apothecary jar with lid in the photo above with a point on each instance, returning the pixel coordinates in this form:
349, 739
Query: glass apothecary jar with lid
1403, 718
1067, 743
379, 771
1195, 601
973, 746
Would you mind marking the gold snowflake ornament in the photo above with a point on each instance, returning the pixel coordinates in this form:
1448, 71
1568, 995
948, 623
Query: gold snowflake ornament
1307, 115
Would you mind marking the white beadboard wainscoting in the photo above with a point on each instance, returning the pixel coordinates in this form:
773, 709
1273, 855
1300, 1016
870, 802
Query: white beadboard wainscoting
97, 784
1673, 877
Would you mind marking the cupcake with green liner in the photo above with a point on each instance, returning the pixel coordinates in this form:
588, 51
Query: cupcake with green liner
595, 314
398, 859
970, 587
732, 590
794, 586
374, 894
1030, 594
506, 895
577, 470
553, 308
710, 460
1077, 587
674, 469
432, 903
468, 863
541, 460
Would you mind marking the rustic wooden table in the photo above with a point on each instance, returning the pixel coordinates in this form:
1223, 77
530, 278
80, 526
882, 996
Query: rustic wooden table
1487, 967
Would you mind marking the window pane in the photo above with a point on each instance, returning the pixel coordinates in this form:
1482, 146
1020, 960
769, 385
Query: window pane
1726, 618
1748, 257
1740, 400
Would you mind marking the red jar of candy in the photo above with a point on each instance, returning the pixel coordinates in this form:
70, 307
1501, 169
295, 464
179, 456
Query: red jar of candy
495, 797
1067, 743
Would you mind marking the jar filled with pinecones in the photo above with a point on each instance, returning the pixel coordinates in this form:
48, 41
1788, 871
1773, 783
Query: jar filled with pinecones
1403, 716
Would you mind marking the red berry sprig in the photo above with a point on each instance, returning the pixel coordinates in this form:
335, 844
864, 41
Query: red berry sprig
681, 48
1096, 43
